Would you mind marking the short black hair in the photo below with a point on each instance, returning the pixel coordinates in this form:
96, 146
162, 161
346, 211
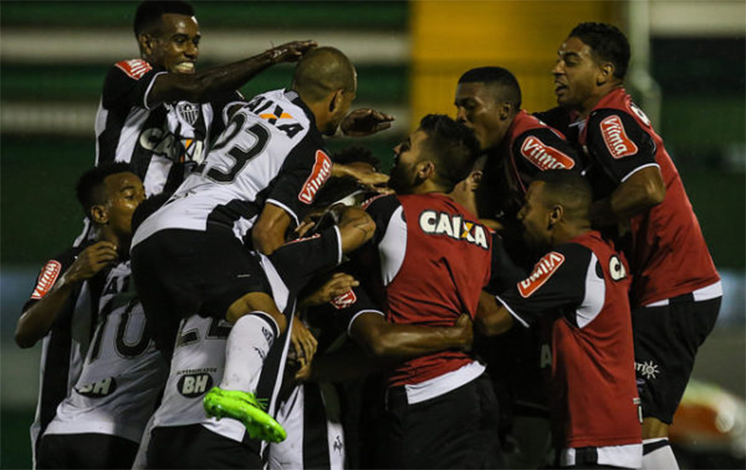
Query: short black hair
150, 11
607, 42
90, 186
510, 89
569, 188
453, 146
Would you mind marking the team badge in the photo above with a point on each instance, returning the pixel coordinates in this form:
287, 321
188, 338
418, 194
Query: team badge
617, 269
616, 139
344, 300
188, 112
322, 170
545, 157
134, 68
48, 276
543, 270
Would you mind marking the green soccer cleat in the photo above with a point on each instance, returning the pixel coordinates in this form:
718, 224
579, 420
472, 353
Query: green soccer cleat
244, 407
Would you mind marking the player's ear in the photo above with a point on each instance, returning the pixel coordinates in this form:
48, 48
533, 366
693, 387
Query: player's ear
426, 170
336, 100
99, 214
146, 43
505, 110
605, 73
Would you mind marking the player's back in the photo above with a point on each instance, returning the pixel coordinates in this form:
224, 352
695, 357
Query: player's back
435, 260
272, 136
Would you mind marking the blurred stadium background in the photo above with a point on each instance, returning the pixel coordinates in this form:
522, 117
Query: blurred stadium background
689, 63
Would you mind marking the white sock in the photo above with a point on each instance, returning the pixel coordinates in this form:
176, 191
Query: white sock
657, 454
248, 344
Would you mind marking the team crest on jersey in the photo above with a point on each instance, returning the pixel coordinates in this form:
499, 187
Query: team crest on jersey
345, 300
322, 170
48, 276
616, 139
543, 270
453, 226
545, 157
100, 389
188, 112
134, 68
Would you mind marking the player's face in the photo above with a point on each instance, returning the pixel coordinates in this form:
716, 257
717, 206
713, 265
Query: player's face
534, 216
175, 46
477, 109
124, 192
575, 75
404, 175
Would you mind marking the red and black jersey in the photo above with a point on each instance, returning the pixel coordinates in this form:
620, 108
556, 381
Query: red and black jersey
163, 143
668, 254
65, 346
529, 147
433, 259
578, 294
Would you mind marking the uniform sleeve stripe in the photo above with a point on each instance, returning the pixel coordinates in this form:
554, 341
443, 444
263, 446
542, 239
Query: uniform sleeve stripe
513, 313
339, 245
638, 169
282, 206
147, 92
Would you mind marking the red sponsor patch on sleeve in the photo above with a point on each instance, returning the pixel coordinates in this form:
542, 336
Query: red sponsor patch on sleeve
616, 139
543, 156
543, 270
134, 68
345, 300
321, 171
48, 276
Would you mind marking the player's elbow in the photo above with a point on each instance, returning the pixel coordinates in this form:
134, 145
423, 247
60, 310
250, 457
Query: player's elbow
655, 191
23, 338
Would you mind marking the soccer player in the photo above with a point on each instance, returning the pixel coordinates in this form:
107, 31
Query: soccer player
431, 259
676, 291
577, 296
63, 306
258, 180
102, 419
158, 112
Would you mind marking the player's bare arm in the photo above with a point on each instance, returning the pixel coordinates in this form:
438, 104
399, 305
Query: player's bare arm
365, 121
364, 175
636, 195
202, 86
37, 320
386, 340
269, 231
492, 318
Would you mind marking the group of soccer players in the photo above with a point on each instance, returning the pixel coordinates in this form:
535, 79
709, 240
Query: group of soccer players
270, 304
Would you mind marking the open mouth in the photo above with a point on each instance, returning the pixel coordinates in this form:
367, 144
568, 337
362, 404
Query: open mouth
185, 67
559, 88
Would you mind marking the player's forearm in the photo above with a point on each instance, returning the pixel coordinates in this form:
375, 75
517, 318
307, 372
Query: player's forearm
355, 228
492, 319
38, 319
206, 84
409, 341
638, 194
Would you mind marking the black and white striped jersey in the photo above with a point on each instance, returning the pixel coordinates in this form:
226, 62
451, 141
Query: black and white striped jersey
123, 373
163, 143
270, 152
65, 346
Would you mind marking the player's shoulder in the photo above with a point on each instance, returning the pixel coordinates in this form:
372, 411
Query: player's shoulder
134, 69
284, 114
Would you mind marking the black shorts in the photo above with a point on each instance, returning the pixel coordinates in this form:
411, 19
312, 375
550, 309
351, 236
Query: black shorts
456, 430
194, 446
666, 343
179, 273
86, 450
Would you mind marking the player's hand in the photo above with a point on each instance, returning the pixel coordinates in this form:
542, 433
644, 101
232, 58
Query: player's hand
466, 330
304, 373
337, 285
290, 51
365, 121
304, 343
364, 176
91, 261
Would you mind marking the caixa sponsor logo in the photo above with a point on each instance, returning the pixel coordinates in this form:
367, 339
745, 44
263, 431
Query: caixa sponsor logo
194, 385
453, 226
102, 388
